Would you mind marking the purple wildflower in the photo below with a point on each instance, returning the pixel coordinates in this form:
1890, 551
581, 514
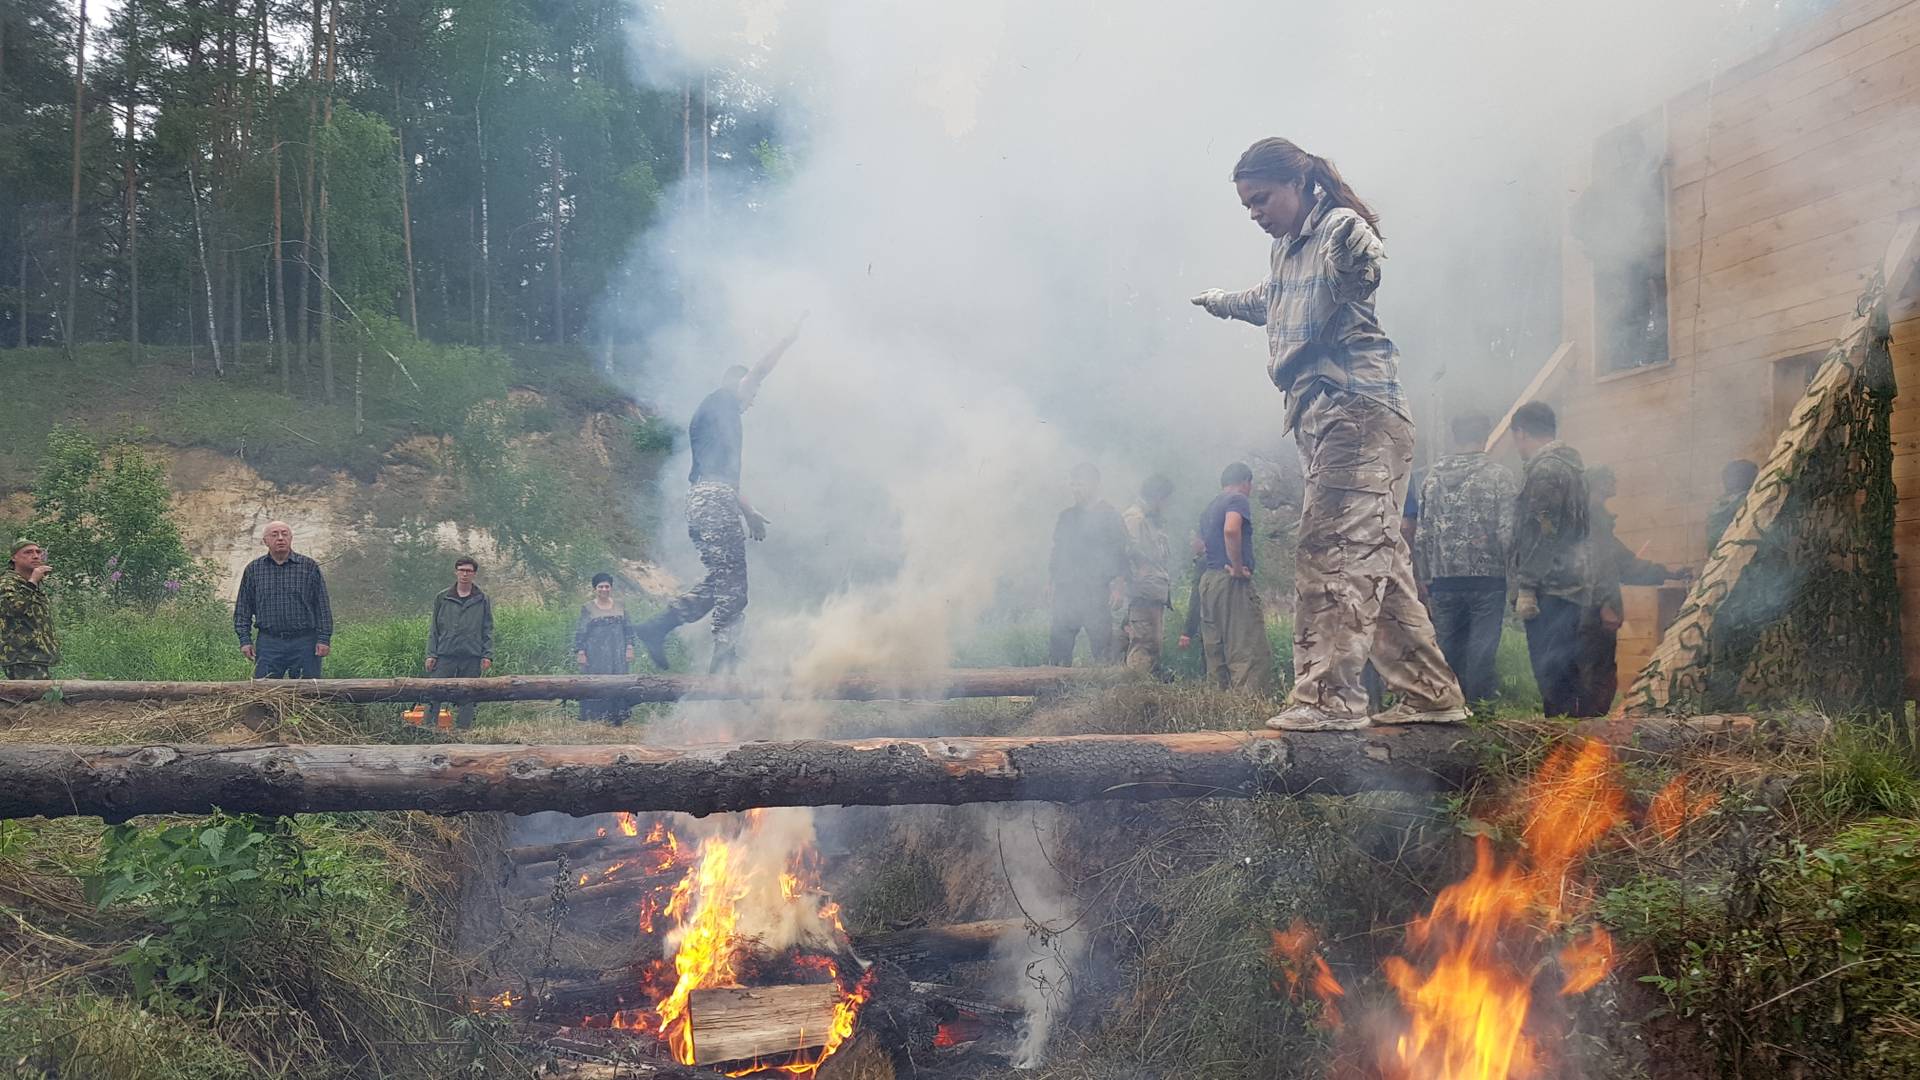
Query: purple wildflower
113, 561
115, 576
172, 585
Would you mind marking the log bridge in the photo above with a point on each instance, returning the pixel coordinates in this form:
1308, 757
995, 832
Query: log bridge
935, 685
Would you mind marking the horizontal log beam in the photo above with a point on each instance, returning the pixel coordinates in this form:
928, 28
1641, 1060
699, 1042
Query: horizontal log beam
117, 782
954, 683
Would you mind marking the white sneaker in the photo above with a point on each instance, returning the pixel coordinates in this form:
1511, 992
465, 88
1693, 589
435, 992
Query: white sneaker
1406, 713
1313, 718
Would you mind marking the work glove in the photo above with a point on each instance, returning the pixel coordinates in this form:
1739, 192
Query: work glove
1211, 300
1526, 605
756, 525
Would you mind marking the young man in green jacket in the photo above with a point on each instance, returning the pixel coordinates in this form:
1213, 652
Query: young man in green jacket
460, 637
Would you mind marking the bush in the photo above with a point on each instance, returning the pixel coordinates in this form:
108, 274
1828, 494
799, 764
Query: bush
105, 519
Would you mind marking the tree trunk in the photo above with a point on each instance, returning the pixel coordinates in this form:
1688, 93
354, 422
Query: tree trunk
79, 147
132, 178
957, 683
304, 332
486, 254
200, 245
406, 217
326, 247
118, 782
277, 298
559, 278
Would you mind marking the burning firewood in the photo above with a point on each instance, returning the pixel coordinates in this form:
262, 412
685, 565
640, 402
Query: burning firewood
750, 1023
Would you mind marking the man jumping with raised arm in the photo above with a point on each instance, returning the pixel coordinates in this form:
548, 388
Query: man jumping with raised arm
716, 510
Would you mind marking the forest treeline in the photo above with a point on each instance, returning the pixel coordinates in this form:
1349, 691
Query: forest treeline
207, 172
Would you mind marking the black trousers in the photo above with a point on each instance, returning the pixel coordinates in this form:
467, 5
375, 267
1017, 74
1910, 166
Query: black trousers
285, 657
1468, 613
454, 667
1599, 665
1075, 608
1553, 644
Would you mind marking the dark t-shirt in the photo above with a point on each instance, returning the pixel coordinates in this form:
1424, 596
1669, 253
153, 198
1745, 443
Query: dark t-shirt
1213, 529
714, 436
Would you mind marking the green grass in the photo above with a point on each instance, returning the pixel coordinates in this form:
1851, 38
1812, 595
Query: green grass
195, 642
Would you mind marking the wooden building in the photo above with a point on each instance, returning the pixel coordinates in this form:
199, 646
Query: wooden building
1715, 248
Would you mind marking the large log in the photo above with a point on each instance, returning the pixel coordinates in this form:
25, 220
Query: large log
747, 1023
117, 782
954, 683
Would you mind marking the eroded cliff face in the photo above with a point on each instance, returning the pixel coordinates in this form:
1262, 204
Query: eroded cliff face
347, 523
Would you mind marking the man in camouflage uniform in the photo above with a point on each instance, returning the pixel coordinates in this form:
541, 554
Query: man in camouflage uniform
1549, 571
1149, 574
1609, 566
1464, 529
1735, 480
719, 518
27, 646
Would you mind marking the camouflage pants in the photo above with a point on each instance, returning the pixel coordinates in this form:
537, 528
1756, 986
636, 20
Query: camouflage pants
1144, 619
1355, 598
714, 525
26, 671
1233, 634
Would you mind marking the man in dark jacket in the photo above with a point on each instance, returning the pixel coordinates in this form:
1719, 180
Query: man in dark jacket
1549, 573
1089, 563
1609, 566
460, 637
1460, 552
283, 596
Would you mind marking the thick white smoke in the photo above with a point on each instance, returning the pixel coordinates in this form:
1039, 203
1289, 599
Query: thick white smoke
995, 214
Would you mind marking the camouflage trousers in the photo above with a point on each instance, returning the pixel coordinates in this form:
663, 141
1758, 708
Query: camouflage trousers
714, 526
1355, 598
1144, 634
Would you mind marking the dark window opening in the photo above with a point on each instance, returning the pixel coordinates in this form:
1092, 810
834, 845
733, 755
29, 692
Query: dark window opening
1621, 222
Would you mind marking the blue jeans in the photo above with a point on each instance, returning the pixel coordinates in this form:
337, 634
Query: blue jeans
1468, 613
1553, 644
285, 657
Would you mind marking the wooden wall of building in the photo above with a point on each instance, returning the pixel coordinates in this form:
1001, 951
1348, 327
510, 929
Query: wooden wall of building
1787, 176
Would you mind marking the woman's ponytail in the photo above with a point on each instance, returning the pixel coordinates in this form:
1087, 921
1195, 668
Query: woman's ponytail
1280, 161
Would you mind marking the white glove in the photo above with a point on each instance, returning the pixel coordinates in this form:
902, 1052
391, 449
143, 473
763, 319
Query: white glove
1210, 300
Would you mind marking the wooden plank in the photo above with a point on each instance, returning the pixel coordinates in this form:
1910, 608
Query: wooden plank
1540, 379
1888, 80
1852, 249
741, 1024
1831, 61
1870, 200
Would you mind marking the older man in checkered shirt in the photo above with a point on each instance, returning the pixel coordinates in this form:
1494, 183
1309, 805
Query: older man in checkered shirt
284, 597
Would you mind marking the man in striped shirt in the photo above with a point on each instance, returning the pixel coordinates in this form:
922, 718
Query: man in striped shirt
284, 597
1356, 600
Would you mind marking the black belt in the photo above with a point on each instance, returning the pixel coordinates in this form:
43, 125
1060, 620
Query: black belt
285, 636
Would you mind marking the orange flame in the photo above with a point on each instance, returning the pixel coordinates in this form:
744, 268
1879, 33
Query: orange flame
1297, 952
1671, 809
711, 947
1467, 1007
629, 825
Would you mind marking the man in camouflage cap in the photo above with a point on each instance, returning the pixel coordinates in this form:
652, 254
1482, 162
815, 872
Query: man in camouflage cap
1460, 550
27, 645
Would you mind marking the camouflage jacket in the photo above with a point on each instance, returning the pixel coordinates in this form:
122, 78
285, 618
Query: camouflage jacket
1610, 564
1550, 525
1720, 518
1466, 518
26, 622
1149, 557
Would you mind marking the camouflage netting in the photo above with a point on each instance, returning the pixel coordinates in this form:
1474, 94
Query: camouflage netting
1798, 603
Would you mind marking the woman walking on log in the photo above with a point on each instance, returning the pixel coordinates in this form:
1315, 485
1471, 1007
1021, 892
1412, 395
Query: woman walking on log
1355, 597
603, 645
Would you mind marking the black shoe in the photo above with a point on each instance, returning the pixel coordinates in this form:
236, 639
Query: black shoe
652, 635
